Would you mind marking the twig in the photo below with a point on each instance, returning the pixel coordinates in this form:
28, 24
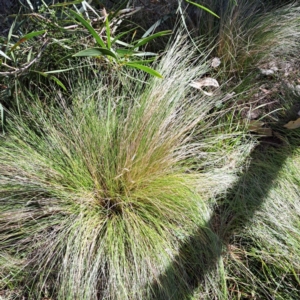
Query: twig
20, 70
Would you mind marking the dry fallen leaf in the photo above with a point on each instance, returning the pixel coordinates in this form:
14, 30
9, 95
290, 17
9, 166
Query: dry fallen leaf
293, 124
265, 131
267, 72
215, 62
265, 91
206, 82
257, 126
254, 125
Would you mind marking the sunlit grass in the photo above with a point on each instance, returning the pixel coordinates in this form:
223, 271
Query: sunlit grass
107, 191
261, 240
248, 32
268, 248
96, 196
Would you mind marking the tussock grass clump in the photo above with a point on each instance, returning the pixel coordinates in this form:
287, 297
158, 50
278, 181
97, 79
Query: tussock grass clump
96, 196
248, 32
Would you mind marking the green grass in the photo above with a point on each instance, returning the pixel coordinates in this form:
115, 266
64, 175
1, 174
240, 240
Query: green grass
258, 223
268, 247
130, 187
97, 196
247, 34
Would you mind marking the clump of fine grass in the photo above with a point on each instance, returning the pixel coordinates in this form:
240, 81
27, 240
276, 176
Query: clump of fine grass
96, 196
248, 32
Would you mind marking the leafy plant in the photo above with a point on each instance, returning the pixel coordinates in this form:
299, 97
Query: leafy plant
45, 51
16, 69
122, 56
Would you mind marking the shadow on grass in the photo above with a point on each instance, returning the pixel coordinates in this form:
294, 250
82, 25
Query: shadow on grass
199, 255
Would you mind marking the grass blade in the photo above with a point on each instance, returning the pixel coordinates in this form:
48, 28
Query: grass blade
129, 53
144, 41
92, 31
108, 33
2, 118
146, 61
116, 39
203, 7
51, 77
27, 37
4, 55
144, 54
65, 3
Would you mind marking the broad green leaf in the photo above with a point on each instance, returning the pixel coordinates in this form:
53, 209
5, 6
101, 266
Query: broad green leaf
144, 54
155, 25
33, 34
27, 37
129, 53
51, 77
96, 52
124, 52
144, 68
124, 44
146, 61
4, 55
57, 82
92, 31
116, 39
145, 40
203, 7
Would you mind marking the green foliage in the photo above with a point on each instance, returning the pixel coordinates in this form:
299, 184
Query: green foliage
122, 57
119, 185
50, 42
